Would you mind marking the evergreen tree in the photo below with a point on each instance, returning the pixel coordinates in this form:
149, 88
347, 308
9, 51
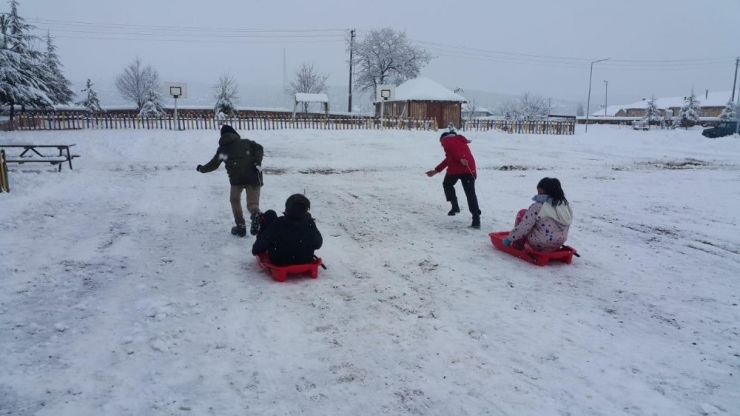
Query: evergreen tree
226, 94
652, 114
90, 102
688, 116
18, 30
58, 84
152, 105
729, 113
23, 74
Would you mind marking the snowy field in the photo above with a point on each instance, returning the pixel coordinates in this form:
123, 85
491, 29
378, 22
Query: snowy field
123, 292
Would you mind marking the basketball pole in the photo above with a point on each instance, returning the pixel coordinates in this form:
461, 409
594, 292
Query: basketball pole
382, 112
177, 121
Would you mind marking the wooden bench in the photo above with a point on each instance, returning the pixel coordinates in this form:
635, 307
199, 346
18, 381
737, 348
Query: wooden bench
63, 156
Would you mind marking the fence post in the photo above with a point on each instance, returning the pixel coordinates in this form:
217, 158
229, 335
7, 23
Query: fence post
4, 183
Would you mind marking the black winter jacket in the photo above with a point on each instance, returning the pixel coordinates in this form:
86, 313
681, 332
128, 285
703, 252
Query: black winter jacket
289, 241
241, 156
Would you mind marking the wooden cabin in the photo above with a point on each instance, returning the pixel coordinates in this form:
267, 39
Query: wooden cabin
422, 98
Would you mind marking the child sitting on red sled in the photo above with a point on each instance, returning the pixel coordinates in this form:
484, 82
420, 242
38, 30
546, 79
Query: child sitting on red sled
292, 238
546, 223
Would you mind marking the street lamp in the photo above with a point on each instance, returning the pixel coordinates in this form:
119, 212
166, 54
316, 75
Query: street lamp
588, 103
606, 97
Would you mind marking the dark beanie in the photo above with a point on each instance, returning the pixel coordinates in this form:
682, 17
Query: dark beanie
445, 134
297, 206
228, 129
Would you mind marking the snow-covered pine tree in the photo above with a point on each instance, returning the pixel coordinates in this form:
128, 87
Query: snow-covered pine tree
22, 73
729, 113
688, 116
90, 102
226, 93
61, 93
652, 114
152, 105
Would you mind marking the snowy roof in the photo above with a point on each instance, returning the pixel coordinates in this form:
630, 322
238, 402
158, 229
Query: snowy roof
424, 89
611, 111
314, 98
477, 109
713, 99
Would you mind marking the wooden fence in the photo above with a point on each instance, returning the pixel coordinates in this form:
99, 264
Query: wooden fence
113, 122
522, 126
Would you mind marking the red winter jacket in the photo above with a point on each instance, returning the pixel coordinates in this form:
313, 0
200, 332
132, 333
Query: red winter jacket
456, 148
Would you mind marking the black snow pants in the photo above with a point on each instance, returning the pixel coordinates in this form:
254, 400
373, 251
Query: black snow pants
468, 183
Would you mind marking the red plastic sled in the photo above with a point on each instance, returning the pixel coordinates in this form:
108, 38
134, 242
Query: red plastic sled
280, 273
564, 253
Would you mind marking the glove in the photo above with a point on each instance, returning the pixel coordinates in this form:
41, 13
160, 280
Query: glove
506, 242
198, 168
258, 168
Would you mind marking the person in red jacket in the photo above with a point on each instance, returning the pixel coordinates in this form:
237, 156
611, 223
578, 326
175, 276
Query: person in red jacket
460, 166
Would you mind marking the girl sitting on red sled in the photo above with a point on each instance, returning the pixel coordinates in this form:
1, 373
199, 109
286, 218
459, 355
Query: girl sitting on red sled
546, 223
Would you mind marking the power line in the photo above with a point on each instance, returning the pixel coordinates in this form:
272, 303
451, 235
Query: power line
457, 48
198, 40
179, 29
115, 32
182, 34
438, 52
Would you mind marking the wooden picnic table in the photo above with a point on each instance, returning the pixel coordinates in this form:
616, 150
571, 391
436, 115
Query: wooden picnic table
63, 156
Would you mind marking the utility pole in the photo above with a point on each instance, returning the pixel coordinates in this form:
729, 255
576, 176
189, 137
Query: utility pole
606, 97
351, 50
588, 103
737, 115
737, 62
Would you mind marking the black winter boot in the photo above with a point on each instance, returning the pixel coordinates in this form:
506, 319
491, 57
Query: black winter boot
476, 221
256, 220
455, 209
239, 230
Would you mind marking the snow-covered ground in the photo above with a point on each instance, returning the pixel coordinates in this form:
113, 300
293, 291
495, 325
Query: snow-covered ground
123, 292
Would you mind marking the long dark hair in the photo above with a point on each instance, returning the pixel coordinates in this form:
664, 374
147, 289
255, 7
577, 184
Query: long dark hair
551, 187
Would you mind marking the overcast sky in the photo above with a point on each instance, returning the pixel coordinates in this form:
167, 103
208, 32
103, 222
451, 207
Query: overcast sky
542, 46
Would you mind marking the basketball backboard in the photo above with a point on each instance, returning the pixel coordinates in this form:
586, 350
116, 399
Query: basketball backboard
176, 89
385, 92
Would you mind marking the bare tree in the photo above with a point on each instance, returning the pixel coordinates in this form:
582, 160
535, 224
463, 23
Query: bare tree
534, 106
226, 94
509, 109
470, 108
307, 80
386, 56
580, 110
136, 82
528, 107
